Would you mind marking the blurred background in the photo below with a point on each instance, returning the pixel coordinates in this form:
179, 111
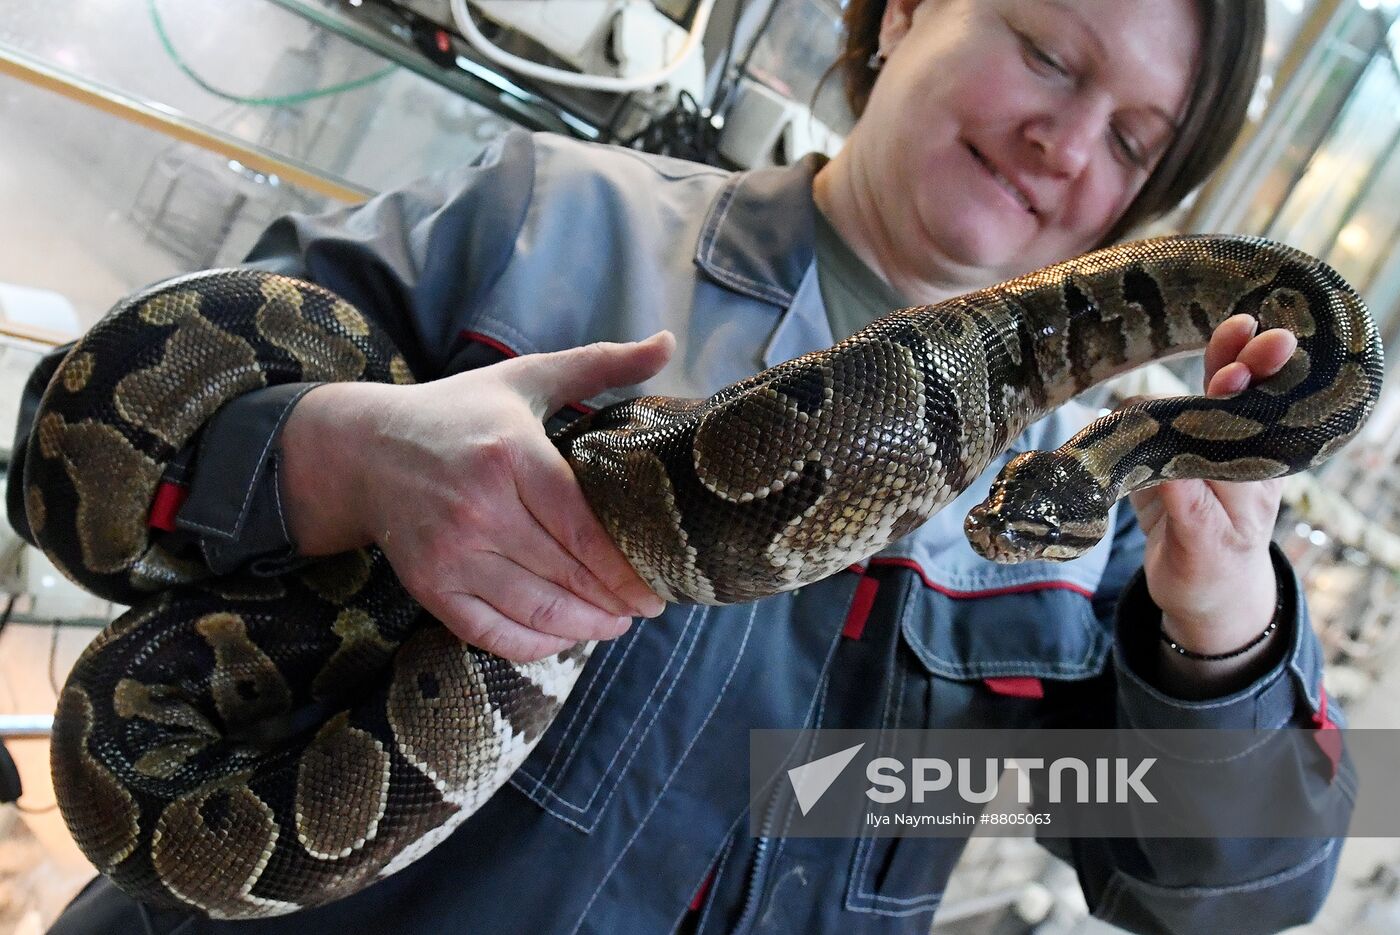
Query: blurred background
144, 138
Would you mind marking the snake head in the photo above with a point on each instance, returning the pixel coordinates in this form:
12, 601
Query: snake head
1044, 505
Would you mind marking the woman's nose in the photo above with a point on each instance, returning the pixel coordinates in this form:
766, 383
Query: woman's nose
1064, 138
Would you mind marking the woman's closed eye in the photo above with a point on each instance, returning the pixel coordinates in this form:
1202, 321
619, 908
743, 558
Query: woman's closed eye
1042, 60
1128, 147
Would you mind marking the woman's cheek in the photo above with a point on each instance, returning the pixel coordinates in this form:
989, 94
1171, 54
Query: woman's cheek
1093, 206
979, 95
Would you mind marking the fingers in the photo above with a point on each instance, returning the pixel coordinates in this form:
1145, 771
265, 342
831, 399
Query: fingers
552, 495
1185, 513
490, 531
520, 594
1252, 506
514, 613
554, 563
1231, 378
1175, 499
476, 622
551, 380
1266, 354
1227, 341
1236, 356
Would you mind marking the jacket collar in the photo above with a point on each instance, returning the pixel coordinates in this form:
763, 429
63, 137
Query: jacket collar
758, 236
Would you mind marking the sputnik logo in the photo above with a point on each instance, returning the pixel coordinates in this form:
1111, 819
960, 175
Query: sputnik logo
811, 780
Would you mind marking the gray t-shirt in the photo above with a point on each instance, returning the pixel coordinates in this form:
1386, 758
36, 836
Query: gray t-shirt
854, 294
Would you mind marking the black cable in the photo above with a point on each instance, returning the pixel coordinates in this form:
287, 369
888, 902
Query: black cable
685, 132
758, 34
724, 87
9, 609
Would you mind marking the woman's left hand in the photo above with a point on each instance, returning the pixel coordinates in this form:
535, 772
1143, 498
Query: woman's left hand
1207, 556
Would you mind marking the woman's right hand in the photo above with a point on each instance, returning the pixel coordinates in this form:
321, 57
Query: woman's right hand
477, 512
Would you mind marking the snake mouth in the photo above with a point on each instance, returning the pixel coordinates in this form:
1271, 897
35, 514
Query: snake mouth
1008, 541
1004, 541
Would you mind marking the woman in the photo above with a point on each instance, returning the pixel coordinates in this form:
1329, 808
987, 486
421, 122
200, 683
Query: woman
997, 136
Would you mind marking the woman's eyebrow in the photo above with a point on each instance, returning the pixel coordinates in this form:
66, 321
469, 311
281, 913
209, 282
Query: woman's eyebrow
1083, 25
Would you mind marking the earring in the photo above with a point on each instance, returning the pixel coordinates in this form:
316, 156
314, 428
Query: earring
876, 60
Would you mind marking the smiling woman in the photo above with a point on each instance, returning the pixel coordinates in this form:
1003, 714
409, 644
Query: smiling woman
1044, 127
1225, 67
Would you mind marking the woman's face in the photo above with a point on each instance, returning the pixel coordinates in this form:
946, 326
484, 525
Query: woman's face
1004, 135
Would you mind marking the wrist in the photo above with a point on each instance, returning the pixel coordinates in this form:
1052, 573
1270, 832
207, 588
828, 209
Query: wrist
320, 471
1213, 661
1186, 653
1198, 680
1227, 613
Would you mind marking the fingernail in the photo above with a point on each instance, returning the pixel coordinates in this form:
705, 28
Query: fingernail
651, 607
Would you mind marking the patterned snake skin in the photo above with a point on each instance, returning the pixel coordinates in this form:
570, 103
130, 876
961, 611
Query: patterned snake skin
252, 746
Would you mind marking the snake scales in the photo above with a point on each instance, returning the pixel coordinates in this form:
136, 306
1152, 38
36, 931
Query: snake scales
249, 747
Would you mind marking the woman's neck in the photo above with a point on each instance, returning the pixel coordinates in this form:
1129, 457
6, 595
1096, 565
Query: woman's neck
923, 279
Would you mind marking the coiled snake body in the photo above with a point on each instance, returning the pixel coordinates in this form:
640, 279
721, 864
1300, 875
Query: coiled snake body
249, 747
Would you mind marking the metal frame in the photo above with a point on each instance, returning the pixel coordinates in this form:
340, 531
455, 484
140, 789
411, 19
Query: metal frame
25, 725
171, 123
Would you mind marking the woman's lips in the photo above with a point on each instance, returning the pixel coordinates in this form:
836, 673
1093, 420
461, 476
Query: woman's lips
1012, 190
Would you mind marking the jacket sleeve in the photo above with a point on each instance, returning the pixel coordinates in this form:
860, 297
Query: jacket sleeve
415, 261
1236, 885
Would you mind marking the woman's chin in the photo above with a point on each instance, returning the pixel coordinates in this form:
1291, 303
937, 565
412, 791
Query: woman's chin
974, 241
990, 260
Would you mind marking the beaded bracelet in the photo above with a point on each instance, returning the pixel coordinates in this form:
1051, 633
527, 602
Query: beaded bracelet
1216, 657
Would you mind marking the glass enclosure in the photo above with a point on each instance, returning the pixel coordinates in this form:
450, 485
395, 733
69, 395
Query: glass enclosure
98, 206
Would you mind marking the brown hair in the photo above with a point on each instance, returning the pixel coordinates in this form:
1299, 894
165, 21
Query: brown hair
1232, 43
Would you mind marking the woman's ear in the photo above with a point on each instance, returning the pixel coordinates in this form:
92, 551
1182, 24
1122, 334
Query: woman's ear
894, 24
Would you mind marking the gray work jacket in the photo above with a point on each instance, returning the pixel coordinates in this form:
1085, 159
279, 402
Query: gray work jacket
632, 814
